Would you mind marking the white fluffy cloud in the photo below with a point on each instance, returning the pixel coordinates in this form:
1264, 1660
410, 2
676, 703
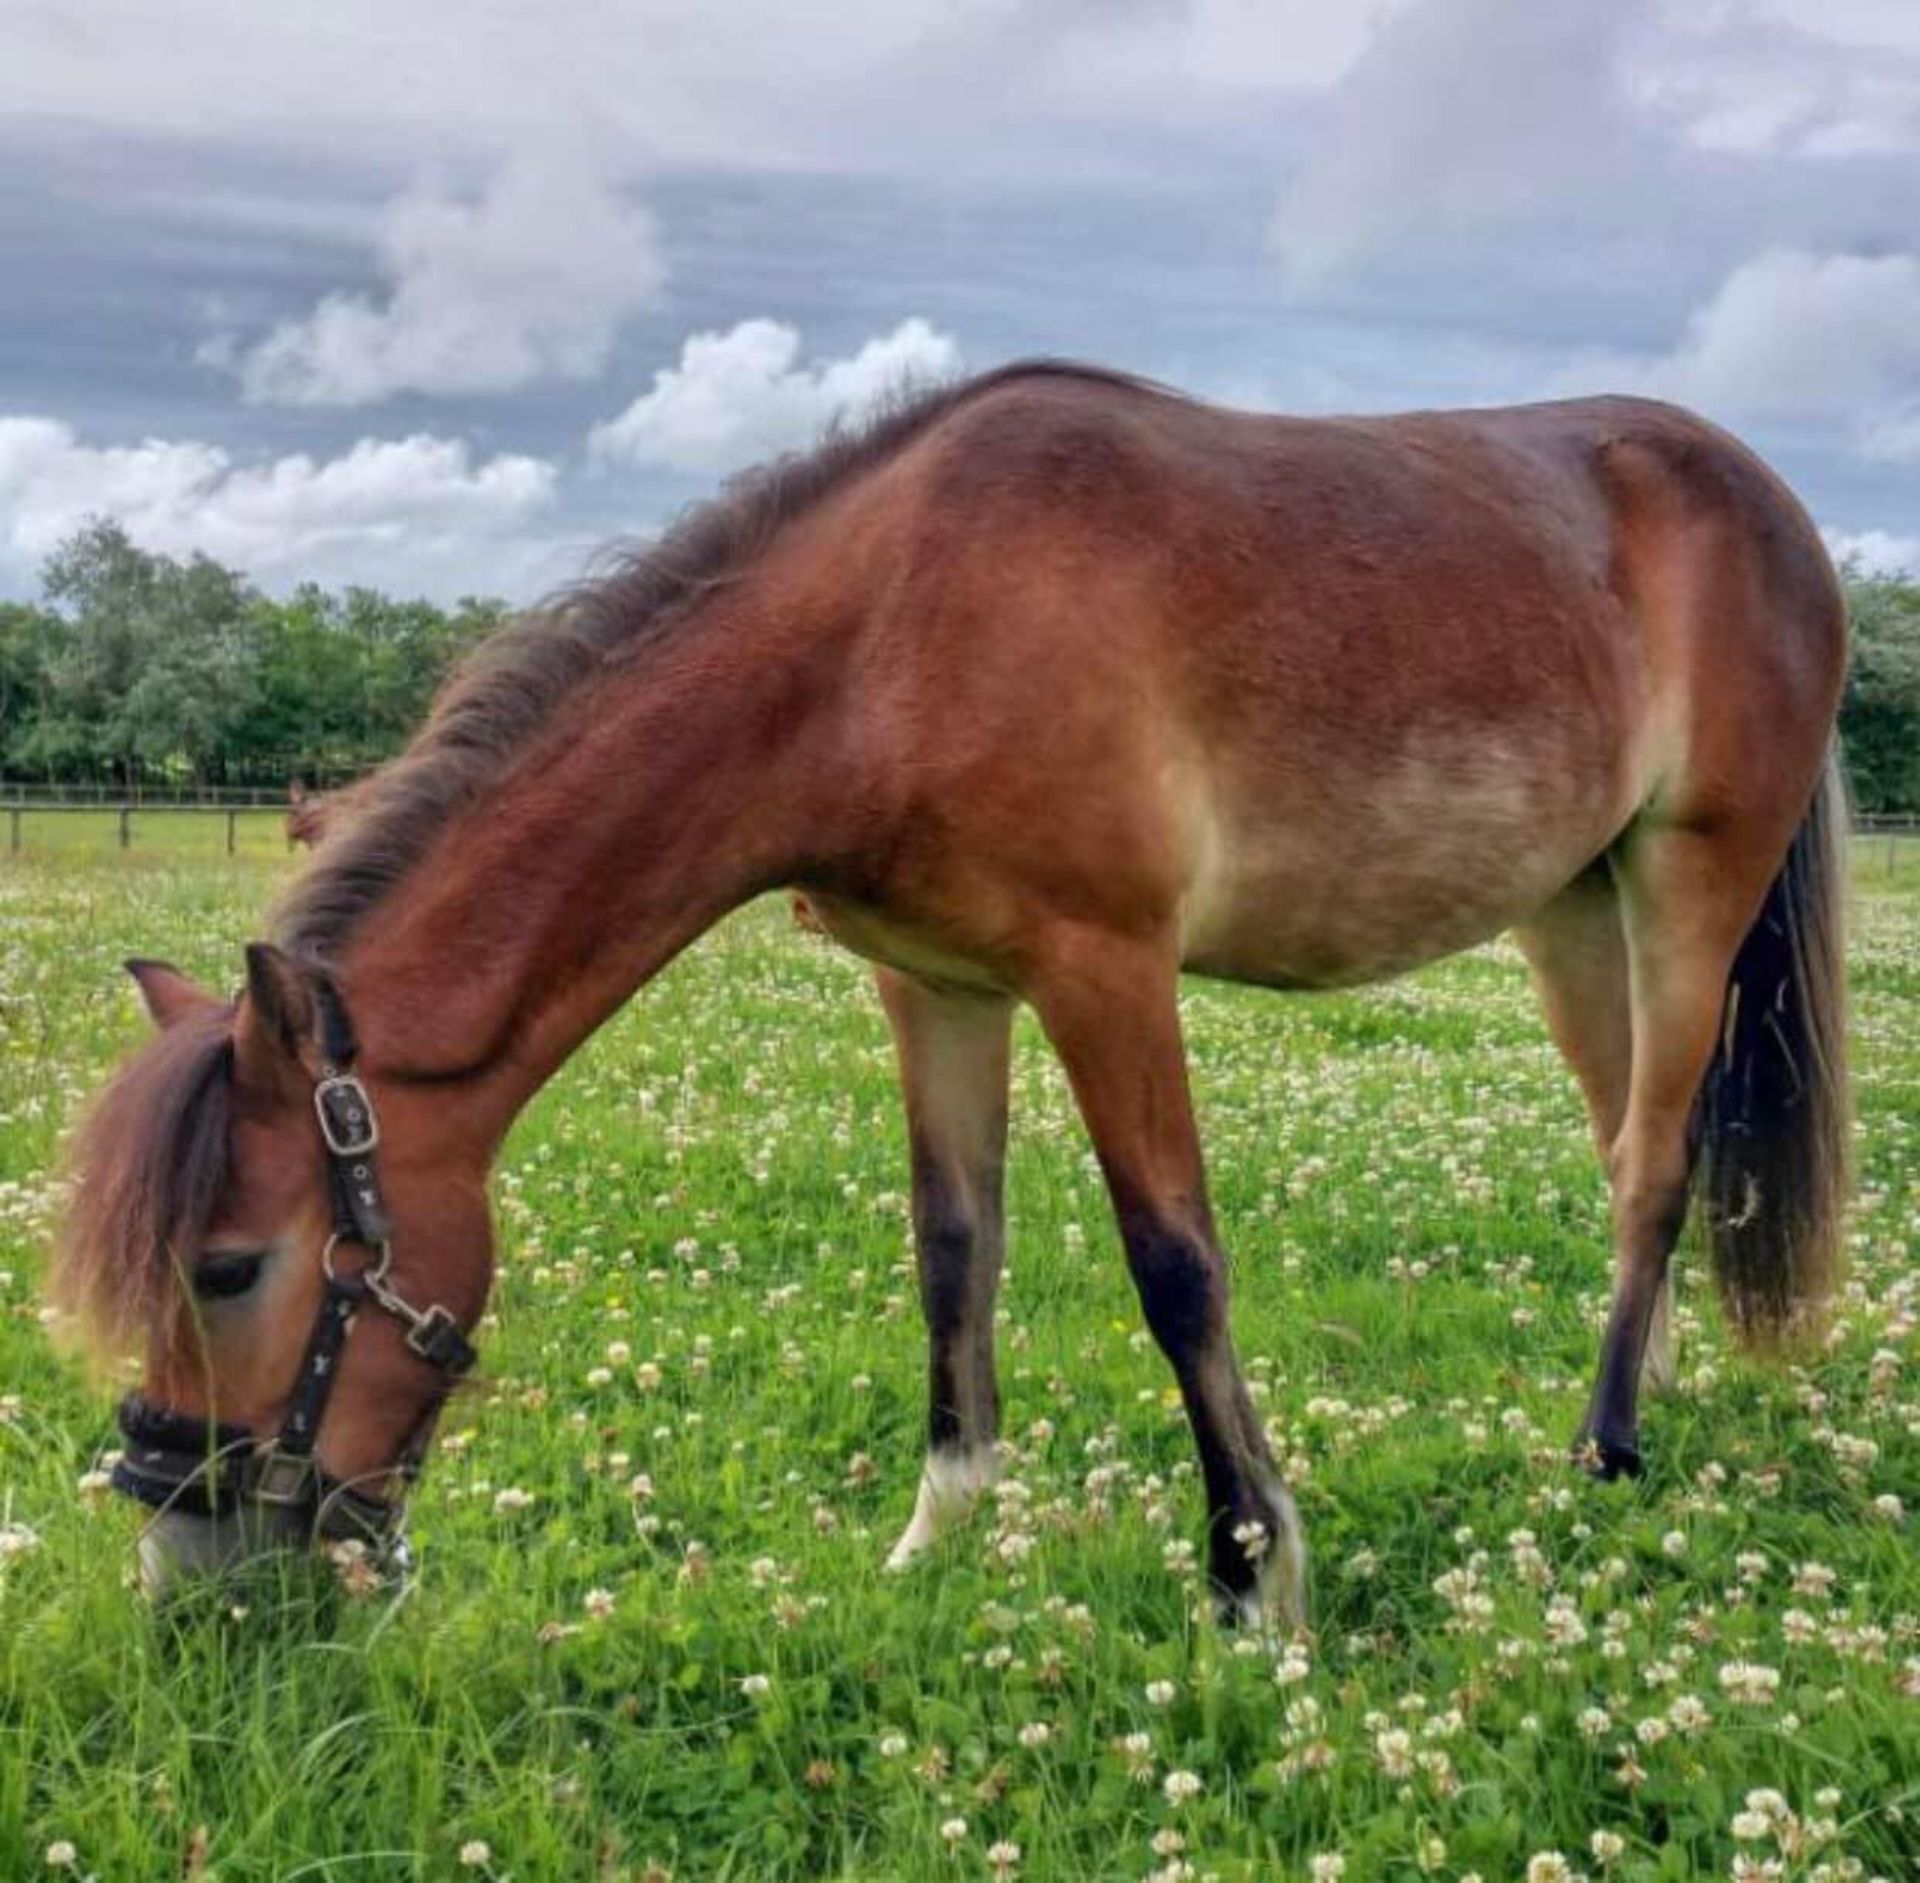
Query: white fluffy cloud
1459, 111
742, 395
529, 281
406, 512
1877, 552
1800, 336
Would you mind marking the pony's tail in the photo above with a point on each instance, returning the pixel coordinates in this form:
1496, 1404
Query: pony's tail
1774, 1122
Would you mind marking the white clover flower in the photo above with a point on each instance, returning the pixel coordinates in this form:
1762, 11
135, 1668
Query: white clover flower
1160, 1692
511, 1499
1394, 1749
756, 1686
1004, 1855
598, 1603
892, 1745
1181, 1786
61, 1855
1607, 1846
475, 1853
1750, 1682
954, 1830
1326, 1866
1549, 1866
1035, 1733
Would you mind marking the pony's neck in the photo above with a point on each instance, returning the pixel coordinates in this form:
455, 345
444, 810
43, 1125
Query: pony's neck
674, 789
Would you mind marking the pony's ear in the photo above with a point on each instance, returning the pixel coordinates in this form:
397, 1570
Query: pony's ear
276, 1017
169, 995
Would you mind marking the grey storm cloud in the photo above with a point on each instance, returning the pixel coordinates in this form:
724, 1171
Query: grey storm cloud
436, 295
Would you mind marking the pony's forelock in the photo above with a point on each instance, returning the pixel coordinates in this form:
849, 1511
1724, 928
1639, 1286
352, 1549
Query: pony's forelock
145, 1167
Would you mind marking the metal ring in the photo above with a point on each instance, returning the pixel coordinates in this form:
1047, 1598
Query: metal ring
373, 1274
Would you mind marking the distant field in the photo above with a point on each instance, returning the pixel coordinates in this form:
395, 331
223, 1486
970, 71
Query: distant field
1507, 1661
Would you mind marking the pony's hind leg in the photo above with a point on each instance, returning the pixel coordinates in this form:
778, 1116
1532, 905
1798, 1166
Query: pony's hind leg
1110, 1007
953, 1069
1687, 896
1577, 949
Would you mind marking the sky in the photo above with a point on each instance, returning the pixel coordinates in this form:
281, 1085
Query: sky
439, 296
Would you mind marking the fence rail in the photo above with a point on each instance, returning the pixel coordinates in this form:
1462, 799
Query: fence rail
124, 811
1890, 825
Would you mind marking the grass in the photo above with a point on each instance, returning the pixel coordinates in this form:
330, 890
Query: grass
707, 1287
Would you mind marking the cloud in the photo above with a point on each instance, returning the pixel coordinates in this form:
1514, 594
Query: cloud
740, 396
530, 281
403, 512
1460, 112
1795, 335
1875, 552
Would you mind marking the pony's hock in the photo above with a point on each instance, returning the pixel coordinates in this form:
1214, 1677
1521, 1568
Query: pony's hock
1042, 687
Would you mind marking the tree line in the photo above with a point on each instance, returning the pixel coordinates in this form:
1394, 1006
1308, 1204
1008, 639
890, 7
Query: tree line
136, 669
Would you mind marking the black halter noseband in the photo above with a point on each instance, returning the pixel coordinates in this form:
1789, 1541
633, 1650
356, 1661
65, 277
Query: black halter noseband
175, 1461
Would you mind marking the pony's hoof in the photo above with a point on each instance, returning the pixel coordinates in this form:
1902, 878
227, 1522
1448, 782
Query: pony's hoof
1607, 1459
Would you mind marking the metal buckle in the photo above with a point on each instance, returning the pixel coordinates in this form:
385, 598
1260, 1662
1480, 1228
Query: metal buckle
281, 1477
436, 1337
356, 1110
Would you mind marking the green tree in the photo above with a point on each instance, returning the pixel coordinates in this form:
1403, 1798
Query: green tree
1880, 714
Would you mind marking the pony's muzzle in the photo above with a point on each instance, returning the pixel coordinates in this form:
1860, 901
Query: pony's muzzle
180, 1544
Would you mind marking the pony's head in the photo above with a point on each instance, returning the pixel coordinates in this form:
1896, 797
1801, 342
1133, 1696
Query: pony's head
296, 1293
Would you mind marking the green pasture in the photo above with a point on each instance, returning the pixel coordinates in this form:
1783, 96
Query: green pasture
650, 1636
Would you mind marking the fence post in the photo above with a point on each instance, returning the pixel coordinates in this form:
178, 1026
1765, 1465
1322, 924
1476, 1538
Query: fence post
14, 838
231, 816
126, 826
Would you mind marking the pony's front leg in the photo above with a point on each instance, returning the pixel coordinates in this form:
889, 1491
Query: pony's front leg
953, 1049
1110, 1005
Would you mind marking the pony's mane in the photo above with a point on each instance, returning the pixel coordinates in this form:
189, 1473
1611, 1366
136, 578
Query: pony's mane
147, 1163
511, 686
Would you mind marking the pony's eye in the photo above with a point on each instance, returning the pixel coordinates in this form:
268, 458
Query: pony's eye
225, 1276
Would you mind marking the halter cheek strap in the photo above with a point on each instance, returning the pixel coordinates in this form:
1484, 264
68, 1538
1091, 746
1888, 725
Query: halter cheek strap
176, 1461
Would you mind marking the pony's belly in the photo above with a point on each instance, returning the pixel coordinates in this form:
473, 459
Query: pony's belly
1365, 898
1290, 934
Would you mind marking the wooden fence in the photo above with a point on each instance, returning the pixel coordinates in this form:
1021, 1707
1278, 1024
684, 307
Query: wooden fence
1891, 827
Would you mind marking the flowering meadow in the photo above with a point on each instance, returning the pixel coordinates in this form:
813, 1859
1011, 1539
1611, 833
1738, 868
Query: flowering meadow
651, 1637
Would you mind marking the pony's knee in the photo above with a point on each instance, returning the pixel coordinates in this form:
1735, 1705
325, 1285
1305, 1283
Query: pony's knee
1182, 1285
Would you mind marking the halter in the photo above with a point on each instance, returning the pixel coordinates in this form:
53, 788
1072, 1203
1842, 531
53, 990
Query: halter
176, 1461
